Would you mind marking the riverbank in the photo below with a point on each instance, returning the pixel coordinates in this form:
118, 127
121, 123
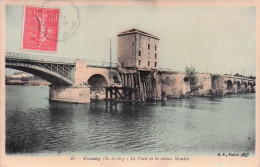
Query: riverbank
28, 83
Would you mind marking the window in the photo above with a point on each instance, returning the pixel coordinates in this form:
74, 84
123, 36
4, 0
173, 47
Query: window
155, 48
139, 62
139, 52
155, 56
148, 46
155, 64
148, 63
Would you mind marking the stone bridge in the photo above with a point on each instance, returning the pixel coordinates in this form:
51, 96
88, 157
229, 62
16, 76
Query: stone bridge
76, 81
235, 84
71, 80
174, 84
220, 85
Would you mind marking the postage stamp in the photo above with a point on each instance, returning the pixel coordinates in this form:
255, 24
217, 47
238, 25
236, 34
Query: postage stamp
40, 29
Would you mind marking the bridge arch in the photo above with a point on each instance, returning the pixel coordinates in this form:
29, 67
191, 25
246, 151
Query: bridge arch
245, 84
97, 71
58, 71
229, 85
97, 83
44, 73
238, 85
251, 86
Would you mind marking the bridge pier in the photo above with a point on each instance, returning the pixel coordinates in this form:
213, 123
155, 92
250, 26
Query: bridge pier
235, 88
72, 94
79, 92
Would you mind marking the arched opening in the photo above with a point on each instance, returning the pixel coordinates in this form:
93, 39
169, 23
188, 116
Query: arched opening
229, 85
250, 85
238, 85
253, 87
245, 84
214, 82
97, 85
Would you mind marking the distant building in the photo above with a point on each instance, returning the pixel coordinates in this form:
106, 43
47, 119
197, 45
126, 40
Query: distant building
138, 49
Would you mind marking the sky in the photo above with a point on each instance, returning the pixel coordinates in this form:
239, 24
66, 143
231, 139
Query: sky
213, 39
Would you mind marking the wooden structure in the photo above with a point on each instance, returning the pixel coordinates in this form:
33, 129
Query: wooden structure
147, 81
137, 86
126, 95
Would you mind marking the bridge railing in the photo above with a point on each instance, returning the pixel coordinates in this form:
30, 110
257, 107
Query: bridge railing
22, 56
31, 57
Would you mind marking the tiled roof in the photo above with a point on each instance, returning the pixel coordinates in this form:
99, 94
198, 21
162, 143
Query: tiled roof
136, 31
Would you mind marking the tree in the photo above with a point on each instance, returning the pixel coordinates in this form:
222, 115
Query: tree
190, 70
191, 74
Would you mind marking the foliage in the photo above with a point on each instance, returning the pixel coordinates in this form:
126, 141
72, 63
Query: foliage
193, 78
238, 75
251, 77
190, 71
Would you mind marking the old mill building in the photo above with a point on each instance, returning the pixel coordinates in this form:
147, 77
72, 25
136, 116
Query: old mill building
138, 49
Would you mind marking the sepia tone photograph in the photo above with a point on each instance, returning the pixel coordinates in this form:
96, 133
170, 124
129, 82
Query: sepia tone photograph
143, 80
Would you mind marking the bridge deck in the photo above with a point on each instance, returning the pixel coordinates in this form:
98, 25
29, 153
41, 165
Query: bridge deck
38, 61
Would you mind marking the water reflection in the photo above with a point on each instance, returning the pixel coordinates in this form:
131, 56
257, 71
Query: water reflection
171, 127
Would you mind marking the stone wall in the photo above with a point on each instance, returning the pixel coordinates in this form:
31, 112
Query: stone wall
126, 50
147, 54
70, 94
218, 85
205, 85
173, 84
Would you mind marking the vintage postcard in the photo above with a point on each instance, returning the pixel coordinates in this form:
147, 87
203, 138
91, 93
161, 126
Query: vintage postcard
129, 83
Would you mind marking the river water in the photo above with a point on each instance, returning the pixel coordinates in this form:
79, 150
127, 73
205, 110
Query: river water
194, 127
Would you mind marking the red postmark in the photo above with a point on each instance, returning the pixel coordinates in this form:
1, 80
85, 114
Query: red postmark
40, 29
